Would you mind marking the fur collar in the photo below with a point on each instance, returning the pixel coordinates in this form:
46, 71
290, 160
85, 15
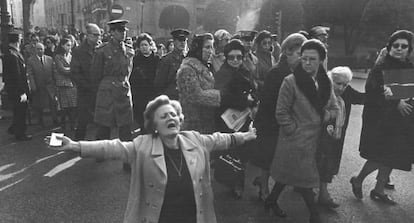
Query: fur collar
318, 98
195, 64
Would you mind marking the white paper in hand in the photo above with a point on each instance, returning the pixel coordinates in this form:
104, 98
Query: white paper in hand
54, 141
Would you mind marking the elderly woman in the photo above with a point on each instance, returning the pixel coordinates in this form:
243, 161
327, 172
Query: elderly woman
195, 85
264, 48
142, 76
170, 179
306, 101
332, 140
238, 93
387, 124
265, 122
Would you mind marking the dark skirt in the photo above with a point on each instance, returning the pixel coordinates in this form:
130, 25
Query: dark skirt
265, 148
328, 157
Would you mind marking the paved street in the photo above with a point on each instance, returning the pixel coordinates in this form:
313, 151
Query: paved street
42, 185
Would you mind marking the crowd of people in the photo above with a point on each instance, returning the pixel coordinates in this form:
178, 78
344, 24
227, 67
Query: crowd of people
179, 94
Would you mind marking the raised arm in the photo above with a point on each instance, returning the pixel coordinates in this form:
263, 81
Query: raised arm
104, 149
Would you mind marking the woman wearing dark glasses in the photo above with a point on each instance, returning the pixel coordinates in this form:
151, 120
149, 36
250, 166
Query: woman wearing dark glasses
387, 127
238, 92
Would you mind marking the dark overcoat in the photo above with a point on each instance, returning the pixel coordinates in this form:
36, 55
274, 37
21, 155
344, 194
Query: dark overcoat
386, 136
166, 77
80, 73
265, 121
42, 75
142, 83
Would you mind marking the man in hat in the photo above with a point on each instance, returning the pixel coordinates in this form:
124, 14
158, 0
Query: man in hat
17, 88
250, 60
80, 72
110, 70
165, 78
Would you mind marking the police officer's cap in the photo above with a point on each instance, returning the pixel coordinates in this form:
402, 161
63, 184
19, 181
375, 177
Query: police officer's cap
180, 34
247, 35
118, 24
274, 36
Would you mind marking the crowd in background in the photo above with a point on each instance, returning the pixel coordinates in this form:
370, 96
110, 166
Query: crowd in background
299, 108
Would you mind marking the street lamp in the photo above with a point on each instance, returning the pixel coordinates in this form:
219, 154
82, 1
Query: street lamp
142, 16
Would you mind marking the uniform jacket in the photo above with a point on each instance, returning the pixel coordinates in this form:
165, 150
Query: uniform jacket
149, 173
299, 113
197, 95
42, 75
165, 78
110, 72
14, 71
386, 136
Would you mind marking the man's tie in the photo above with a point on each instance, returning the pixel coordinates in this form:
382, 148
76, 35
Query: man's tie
41, 60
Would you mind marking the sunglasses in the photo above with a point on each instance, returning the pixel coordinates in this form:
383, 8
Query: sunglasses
233, 57
397, 45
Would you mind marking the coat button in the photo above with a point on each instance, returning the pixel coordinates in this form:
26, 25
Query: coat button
144, 220
201, 194
147, 203
151, 185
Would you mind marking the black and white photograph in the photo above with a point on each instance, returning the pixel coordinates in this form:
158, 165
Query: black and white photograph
206, 111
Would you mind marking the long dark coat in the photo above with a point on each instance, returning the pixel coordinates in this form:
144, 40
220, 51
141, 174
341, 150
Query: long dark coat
386, 136
142, 83
80, 73
265, 121
299, 111
235, 93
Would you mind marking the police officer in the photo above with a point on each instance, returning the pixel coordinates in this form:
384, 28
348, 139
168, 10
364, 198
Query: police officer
17, 88
110, 70
165, 78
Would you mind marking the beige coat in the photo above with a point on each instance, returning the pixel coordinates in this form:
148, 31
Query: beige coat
294, 160
149, 173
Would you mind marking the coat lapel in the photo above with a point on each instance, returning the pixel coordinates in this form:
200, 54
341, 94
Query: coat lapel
158, 154
190, 154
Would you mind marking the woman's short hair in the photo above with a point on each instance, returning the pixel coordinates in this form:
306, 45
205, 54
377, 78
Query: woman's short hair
141, 37
401, 34
264, 34
234, 44
292, 42
153, 105
314, 44
341, 71
60, 50
196, 47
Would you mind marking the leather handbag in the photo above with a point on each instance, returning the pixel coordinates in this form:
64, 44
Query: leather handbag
228, 169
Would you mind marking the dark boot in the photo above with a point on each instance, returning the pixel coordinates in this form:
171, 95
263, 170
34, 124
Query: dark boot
309, 198
271, 200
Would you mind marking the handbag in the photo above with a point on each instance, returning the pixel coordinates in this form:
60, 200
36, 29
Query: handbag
228, 169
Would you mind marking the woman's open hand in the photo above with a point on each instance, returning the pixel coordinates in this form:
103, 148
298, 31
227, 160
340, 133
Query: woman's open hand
67, 144
404, 108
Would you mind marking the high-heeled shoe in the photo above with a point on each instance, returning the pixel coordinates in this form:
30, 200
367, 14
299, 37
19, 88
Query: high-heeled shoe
257, 183
384, 198
275, 208
357, 190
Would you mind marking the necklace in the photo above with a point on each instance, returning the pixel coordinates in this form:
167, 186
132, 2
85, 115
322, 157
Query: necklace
178, 170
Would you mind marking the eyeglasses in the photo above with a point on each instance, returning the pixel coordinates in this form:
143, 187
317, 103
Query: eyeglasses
233, 57
397, 45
